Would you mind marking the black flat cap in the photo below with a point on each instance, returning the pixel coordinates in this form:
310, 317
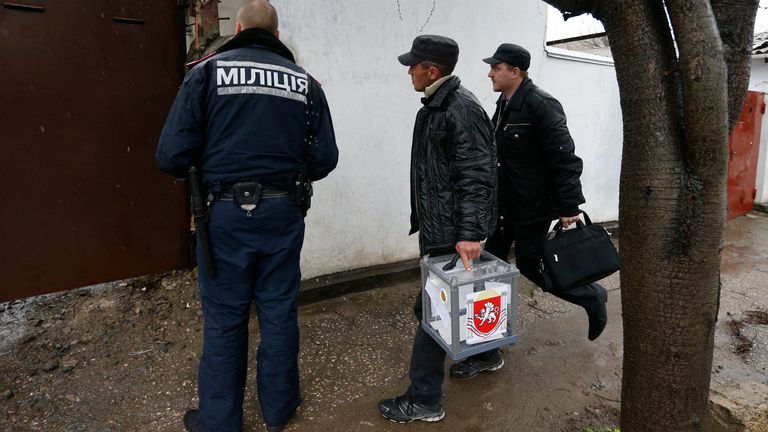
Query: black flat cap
437, 49
511, 54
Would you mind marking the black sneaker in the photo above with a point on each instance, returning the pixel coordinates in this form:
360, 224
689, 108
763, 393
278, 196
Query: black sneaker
278, 428
472, 366
190, 421
403, 410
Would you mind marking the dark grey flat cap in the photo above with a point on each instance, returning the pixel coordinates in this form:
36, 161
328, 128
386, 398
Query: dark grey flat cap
511, 54
437, 49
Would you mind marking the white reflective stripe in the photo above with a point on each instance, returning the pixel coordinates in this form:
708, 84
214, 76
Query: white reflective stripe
261, 90
268, 66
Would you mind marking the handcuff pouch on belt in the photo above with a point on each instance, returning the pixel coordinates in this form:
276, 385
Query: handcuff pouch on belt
247, 195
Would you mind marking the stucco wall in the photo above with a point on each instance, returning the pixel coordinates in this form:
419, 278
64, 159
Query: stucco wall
360, 212
758, 81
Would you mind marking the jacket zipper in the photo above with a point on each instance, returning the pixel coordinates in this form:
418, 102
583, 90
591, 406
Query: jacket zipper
416, 157
516, 124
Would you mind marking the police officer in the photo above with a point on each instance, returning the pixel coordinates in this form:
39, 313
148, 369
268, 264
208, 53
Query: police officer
251, 120
539, 181
453, 168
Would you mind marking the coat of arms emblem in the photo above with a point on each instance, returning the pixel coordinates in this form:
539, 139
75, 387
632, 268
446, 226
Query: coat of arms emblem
486, 315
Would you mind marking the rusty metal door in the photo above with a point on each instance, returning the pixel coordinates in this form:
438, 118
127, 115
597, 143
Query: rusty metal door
85, 86
743, 146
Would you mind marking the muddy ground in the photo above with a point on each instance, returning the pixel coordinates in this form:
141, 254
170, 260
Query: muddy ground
123, 356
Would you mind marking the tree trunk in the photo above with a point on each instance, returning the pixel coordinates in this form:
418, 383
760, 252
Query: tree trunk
670, 282
672, 207
736, 22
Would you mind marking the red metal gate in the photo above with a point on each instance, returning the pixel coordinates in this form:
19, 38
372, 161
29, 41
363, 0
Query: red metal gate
85, 86
743, 145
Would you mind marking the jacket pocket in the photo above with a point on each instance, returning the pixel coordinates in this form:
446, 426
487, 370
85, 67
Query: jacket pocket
517, 131
518, 140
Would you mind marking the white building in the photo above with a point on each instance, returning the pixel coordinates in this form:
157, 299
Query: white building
360, 213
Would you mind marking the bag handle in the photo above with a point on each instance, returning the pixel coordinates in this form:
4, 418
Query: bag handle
452, 263
549, 284
558, 228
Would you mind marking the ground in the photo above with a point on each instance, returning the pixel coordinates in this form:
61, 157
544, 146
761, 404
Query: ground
123, 356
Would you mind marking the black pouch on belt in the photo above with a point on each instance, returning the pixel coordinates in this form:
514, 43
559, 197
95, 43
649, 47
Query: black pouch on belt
247, 195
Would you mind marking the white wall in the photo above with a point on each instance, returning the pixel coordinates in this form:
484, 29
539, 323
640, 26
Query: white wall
758, 81
360, 212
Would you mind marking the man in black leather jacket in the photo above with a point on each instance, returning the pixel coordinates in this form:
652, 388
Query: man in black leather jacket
538, 182
453, 171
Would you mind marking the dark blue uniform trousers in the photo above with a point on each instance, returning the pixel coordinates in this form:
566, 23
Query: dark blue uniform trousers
257, 259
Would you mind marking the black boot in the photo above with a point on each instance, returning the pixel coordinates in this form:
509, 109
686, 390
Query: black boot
592, 297
190, 421
403, 410
598, 316
484, 362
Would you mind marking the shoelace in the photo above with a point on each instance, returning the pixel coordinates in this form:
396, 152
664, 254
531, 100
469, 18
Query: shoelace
403, 402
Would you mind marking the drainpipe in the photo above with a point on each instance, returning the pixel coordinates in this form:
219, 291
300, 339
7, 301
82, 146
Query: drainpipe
205, 14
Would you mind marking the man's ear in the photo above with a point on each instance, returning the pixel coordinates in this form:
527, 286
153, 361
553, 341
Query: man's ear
238, 28
434, 73
277, 34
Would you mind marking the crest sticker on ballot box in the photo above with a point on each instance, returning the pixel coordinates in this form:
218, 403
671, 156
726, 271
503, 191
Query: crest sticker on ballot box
469, 311
487, 314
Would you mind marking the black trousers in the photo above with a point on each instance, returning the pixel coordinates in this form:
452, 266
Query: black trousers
529, 245
427, 370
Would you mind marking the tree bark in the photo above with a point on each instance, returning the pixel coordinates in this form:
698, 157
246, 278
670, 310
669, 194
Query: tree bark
656, 298
672, 206
736, 22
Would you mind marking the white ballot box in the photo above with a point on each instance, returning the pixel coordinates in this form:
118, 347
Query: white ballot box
468, 312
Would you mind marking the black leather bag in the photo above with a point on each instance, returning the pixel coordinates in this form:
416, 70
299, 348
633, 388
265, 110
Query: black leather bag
578, 256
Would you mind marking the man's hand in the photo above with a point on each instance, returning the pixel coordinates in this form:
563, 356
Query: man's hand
568, 220
468, 250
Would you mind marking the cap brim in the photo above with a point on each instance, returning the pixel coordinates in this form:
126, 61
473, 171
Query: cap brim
408, 59
491, 60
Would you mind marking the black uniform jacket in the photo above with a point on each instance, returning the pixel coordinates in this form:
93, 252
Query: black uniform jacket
249, 113
453, 170
539, 171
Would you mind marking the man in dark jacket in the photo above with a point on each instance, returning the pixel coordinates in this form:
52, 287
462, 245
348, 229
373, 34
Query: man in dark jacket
453, 168
251, 120
538, 182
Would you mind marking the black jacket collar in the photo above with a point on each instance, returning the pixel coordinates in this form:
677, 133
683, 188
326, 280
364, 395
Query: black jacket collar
519, 96
516, 102
437, 99
261, 37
